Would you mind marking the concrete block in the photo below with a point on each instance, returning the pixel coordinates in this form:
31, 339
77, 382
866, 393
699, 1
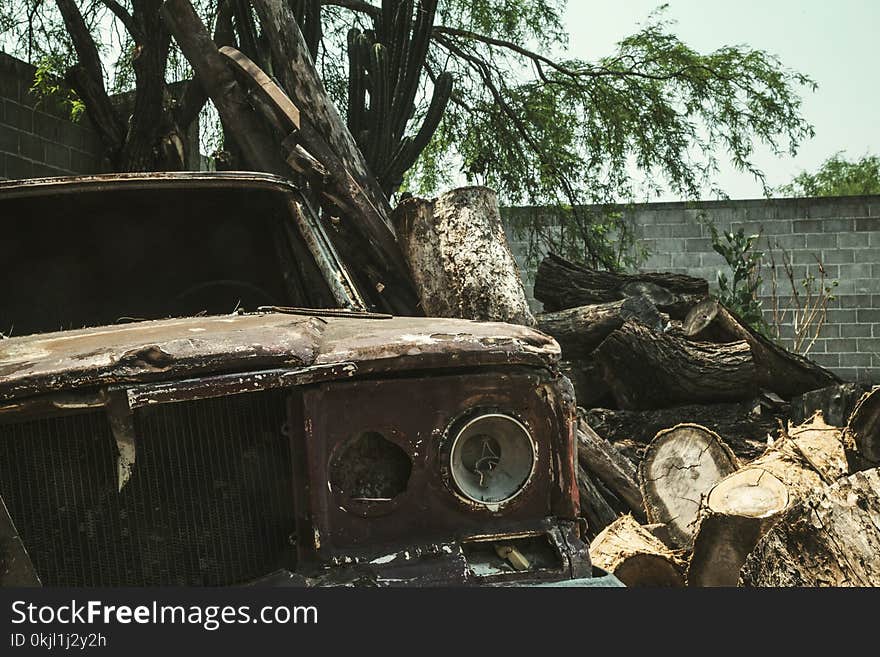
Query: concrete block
855, 330
18, 116
838, 256
31, 147
820, 241
17, 167
8, 139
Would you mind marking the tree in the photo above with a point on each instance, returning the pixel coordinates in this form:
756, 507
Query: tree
428, 87
837, 176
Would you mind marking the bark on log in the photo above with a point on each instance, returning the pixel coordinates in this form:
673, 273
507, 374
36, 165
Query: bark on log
741, 508
459, 257
560, 284
589, 387
832, 538
600, 458
836, 402
648, 369
327, 138
738, 511
785, 373
259, 149
681, 465
635, 556
594, 507
744, 426
863, 428
580, 330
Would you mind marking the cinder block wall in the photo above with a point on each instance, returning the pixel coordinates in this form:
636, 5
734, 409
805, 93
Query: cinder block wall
844, 233
36, 136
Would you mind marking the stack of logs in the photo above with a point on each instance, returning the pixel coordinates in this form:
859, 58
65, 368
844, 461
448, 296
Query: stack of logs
701, 459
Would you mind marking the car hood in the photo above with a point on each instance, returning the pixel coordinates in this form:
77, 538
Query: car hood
178, 348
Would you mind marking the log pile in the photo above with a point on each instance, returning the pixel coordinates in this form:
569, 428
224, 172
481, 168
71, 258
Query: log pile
693, 472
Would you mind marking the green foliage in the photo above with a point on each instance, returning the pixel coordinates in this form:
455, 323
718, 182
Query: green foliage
47, 85
739, 290
838, 177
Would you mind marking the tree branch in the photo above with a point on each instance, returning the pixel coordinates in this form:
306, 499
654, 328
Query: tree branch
125, 18
356, 5
87, 77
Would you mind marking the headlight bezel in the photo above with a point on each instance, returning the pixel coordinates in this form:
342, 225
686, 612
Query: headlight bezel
457, 430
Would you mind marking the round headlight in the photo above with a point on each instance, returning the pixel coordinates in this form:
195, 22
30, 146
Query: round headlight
492, 458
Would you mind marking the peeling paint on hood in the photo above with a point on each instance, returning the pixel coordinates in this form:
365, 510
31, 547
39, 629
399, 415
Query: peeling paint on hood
176, 348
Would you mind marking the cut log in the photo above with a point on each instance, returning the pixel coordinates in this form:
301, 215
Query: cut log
778, 369
836, 402
744, 427
863, 427
599, 457
580, 330
589, 386
459, 257
738, 511
680, 466
560, 284
649, 369
594, 507
635, 556
831, 538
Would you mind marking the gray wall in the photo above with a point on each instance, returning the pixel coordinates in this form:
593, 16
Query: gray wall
37, 138
843, 232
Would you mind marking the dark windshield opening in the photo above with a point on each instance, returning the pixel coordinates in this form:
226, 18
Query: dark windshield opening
100, 257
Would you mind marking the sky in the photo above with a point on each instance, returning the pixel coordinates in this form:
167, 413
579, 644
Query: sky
834, 42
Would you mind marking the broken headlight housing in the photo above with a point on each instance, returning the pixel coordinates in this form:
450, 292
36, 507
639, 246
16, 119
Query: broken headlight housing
492, 458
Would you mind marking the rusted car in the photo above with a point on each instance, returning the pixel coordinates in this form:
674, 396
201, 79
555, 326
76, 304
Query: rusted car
175, 408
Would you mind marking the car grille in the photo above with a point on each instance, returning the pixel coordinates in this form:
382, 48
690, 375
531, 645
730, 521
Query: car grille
209, 501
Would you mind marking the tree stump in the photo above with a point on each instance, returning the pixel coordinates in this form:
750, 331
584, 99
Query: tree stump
831, 538
635, 556
741, 508
738, 511
680, 466
459, 258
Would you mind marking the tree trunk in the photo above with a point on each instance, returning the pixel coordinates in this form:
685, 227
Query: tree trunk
600, 458
260, 151
635, 556
680, 466
777, 369
863, 427
580, 330
560, 284
831, 538
459, 258
594, 507
327, 138
744, 427
738, 511
648, 369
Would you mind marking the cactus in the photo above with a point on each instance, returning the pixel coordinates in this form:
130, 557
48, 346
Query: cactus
385, 67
